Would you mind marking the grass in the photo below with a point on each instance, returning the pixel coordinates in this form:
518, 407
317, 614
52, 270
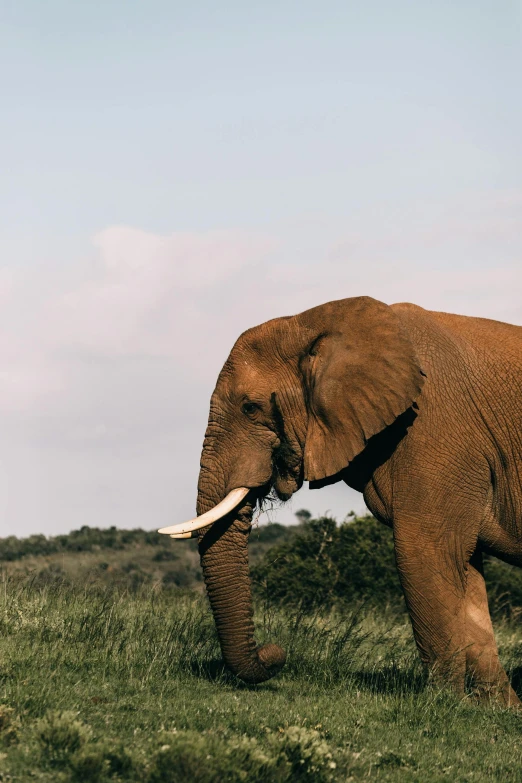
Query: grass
103, 684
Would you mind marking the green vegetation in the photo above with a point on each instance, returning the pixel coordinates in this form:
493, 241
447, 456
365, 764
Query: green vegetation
325, 565
115, 679
128, 559
320, 564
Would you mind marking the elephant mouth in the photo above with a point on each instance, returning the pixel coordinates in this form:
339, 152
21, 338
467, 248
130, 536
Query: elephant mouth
283, 489
286, 479
288, 471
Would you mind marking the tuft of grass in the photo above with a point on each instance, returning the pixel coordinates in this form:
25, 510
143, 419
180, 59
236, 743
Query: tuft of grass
9, 725
60, 735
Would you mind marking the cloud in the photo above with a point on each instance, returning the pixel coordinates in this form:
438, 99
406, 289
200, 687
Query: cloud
107, 369
464, 257
144, 297
187, 296
140, 295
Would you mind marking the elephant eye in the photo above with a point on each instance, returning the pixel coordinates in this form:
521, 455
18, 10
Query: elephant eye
249, 408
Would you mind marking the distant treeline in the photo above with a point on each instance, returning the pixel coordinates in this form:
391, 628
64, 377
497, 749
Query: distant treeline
94, 539
86, 539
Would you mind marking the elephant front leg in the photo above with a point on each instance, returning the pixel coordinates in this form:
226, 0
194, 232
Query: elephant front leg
490, 681
435, 599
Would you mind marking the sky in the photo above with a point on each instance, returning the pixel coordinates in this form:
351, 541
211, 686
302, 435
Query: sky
174, 173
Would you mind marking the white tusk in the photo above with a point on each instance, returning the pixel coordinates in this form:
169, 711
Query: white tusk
192, 534
232, 500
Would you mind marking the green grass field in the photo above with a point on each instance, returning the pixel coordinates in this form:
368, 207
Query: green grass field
110, 668
103, 684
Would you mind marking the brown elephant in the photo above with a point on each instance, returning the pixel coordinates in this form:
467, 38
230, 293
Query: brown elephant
422, 412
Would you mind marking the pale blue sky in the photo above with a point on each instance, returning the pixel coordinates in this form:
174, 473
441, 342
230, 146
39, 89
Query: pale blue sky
189, 116
278, 154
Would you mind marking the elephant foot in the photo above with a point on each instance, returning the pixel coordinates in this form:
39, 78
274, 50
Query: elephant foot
499, 694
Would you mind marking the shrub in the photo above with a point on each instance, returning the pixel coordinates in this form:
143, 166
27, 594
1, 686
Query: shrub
316, 564
292, 754
89, 765
325, 563
9, 725
183, 576
98, 762
86, 539
120, 762
164, 554
190, 755
504, 584
51, 575
307, 755
59, 735
267, 534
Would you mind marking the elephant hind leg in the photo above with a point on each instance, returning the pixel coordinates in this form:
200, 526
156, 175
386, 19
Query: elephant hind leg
482, 662
446, 597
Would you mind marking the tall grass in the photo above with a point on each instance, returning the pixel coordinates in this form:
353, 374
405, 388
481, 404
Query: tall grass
100, 683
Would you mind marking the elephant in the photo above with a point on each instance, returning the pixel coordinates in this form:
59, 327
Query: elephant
421, 411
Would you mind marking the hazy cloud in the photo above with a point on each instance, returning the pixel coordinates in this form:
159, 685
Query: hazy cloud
106, 373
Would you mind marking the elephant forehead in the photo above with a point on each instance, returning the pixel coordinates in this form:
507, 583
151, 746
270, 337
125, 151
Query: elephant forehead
248, 377
242, 376
258, 360
268, 338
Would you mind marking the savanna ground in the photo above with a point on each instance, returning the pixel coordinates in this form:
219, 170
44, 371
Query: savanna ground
107, 676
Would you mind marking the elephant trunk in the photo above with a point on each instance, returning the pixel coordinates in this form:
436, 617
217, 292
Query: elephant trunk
224, 558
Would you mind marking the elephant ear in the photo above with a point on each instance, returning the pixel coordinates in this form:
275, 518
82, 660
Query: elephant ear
360, 372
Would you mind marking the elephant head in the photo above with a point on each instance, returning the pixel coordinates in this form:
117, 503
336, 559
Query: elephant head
297, 399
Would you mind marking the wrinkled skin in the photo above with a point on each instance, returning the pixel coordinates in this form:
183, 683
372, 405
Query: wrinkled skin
420, 411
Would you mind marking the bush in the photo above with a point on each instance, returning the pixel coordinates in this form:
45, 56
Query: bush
190, 755
316, 564
9, 725
163, 555
504, 583
307, 755
86, 539
268, 534
98, 762
89, 766
183, 576
60, 734
291, 755
325, 563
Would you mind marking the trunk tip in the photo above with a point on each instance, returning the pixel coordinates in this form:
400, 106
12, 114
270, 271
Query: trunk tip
268, 660
272, 657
